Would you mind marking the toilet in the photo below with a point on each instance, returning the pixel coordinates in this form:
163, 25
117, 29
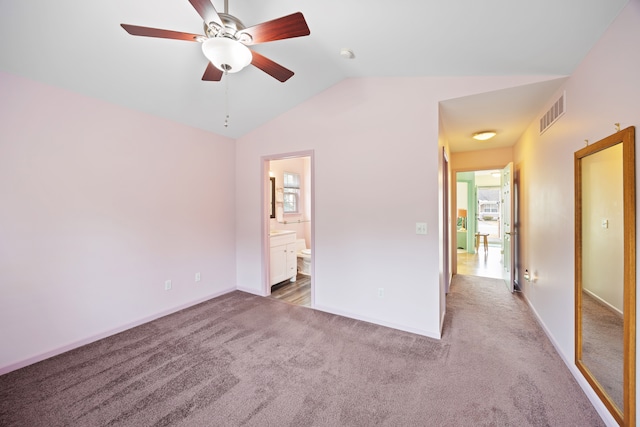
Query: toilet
304, 257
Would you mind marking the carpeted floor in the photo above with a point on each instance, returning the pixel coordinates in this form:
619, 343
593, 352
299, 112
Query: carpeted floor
245, 360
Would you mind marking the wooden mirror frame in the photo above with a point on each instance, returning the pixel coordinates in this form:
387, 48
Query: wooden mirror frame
626, 415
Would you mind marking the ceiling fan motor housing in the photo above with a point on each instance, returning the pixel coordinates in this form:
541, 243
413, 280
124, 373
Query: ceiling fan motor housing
232, 29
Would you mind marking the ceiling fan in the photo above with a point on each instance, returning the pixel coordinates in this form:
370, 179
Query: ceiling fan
226, 39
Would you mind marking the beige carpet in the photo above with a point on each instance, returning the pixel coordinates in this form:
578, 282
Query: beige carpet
245, 360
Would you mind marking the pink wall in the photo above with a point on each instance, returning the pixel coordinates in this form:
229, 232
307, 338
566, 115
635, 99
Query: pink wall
603, 90
376, 174
101, 205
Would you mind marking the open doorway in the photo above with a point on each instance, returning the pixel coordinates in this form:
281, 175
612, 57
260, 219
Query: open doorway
290, 237
479, 234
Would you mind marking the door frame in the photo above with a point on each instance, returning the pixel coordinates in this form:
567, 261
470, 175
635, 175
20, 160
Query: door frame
265, 184
454, 206
446, 214
508, 230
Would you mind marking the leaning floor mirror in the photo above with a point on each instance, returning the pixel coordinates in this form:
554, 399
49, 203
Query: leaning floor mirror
605, 250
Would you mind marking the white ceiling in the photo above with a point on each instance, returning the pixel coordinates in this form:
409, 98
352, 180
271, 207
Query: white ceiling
508, 112
79, 45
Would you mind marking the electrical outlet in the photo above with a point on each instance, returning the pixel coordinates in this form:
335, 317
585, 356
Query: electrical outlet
421, 228
197, 277
167, 285
380, 292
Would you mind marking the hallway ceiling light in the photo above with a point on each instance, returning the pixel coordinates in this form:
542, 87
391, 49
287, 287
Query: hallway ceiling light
484, 135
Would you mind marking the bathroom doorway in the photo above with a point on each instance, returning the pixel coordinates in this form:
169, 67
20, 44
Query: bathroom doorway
289, 257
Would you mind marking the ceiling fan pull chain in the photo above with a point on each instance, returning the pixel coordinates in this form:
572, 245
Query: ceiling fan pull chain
226, 98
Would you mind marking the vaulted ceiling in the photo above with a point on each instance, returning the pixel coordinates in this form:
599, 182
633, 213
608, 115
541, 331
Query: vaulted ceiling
79, 45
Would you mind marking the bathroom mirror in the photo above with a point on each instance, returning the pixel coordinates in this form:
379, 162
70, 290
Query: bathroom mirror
272, 197
605, 270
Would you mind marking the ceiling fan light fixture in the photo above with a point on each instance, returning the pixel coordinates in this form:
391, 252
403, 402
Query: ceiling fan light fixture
484, 135
226, 54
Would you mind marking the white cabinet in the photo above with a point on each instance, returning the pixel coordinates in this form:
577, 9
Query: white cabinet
282, 257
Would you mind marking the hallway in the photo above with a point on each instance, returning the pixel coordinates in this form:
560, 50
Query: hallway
481, 264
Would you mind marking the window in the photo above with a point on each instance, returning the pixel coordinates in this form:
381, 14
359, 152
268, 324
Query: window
291, 192
489, 207
489, 203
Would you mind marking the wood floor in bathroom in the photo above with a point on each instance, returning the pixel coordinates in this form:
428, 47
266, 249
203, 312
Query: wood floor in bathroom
298, 292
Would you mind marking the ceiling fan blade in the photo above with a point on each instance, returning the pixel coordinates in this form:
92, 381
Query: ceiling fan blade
274, 69
206, 10
135, 30
287, 27
212, 74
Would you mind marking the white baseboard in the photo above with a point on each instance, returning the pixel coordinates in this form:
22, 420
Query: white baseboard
586, 387
63, 349
417, 331
603, 302
251, 291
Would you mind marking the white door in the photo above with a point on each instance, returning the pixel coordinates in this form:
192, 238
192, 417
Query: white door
508, 230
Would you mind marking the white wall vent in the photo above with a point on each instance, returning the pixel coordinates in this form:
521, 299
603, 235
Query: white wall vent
553, 114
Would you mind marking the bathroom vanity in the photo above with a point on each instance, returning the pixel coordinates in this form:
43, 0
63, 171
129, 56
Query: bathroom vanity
283, 263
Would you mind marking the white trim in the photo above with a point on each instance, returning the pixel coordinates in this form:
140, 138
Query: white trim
423, 332
251, 291
76, 344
